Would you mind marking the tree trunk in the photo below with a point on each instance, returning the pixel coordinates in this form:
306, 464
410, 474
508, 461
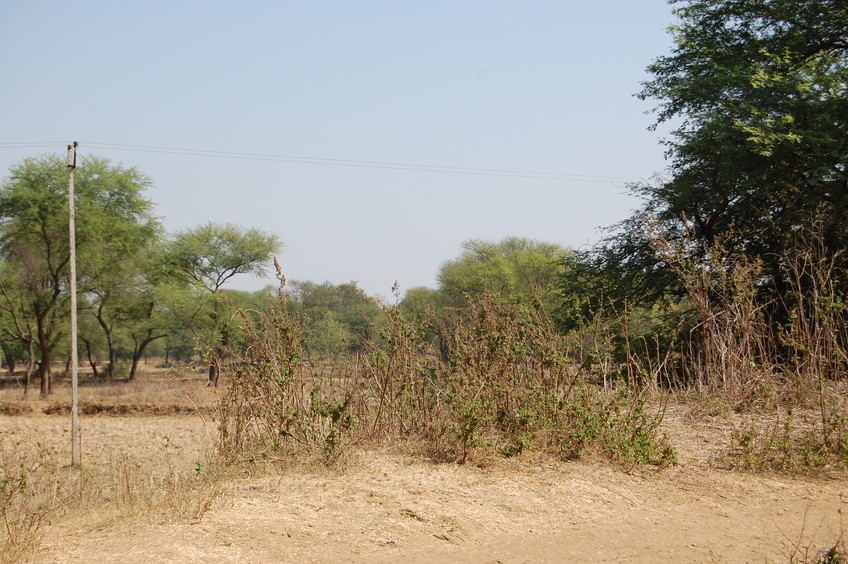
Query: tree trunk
113, 361
28, 380
44, 364
9, 358
110, 342
213, 374
44, 372
10, 363
91, 360
140, 353
30, 365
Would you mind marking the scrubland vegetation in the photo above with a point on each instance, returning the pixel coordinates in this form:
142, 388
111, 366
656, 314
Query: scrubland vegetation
724, 296
495, 377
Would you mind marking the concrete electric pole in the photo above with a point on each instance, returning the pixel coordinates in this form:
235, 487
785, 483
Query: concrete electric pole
75, 450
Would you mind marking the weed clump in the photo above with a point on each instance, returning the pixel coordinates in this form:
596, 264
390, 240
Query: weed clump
276, 405
502, 379
789, 443
767, 343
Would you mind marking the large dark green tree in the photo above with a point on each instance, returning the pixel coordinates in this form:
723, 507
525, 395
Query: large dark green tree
757, 91
114, 222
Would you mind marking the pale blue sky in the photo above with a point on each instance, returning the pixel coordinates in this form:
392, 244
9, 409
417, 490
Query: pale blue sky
529, 86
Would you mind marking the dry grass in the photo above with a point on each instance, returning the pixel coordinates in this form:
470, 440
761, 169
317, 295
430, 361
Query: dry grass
166, 474
155, 392
179, 386
132, 467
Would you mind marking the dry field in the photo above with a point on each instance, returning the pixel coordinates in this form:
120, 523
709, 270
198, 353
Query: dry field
153, 494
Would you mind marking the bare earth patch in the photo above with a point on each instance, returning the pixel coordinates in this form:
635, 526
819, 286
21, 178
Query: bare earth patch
387, 508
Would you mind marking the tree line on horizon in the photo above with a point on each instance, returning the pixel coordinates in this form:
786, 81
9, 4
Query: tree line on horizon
144, 292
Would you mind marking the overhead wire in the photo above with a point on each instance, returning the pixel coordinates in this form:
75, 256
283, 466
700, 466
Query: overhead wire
26, 145
335, 162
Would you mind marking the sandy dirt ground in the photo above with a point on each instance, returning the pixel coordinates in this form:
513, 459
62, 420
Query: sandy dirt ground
386, 508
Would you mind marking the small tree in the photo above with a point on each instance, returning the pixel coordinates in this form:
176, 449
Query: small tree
18, 333
206, 258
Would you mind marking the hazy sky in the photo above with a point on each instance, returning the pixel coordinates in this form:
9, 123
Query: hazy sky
540, 87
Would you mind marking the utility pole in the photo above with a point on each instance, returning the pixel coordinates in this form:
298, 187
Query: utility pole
75, 450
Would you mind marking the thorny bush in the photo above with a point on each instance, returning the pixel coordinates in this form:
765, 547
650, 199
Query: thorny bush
503, 380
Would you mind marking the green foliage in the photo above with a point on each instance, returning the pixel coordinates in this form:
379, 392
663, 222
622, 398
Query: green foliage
615, 424
758, 94
504, 365
514, 268
175, 304
328, 337
341, 317
114, 225
130, 311
211, 254
419, 301
205, 258
583, 291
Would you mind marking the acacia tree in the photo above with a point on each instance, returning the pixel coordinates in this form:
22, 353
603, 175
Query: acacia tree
139, 308
206, 258
759, 93
114, 221
513, 268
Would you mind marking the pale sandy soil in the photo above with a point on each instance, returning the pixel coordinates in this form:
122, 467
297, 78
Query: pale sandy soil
386, 508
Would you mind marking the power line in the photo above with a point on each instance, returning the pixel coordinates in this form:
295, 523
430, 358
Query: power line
338, 162
27, 145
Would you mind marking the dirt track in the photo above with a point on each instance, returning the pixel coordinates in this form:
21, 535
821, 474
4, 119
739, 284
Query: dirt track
390, 511
386, 508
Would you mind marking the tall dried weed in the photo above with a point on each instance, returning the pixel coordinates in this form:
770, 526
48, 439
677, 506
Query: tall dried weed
761, 354
503, 379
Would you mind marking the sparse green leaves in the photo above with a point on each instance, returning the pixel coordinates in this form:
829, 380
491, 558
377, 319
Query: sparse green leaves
211, 254
205, 258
